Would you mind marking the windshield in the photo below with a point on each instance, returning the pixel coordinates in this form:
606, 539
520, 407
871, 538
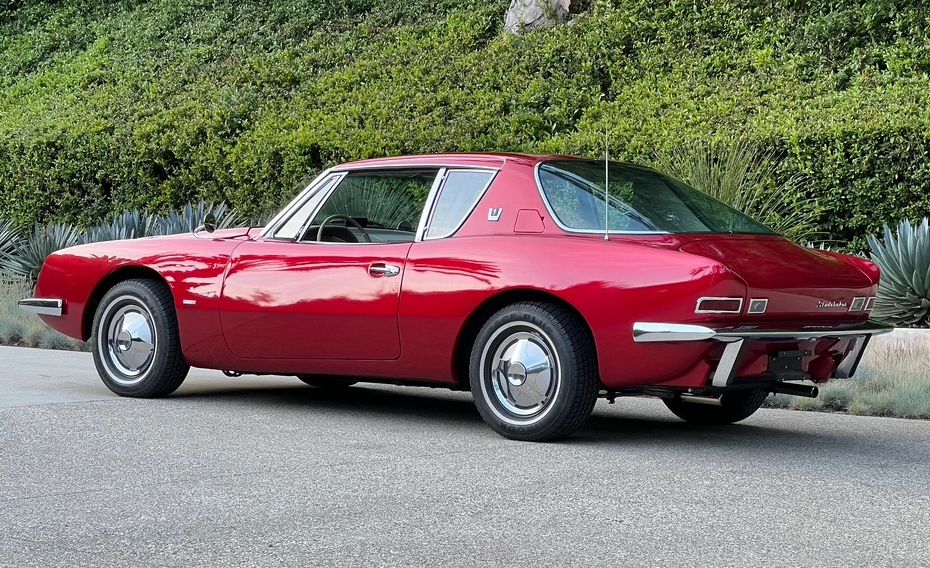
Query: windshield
640, 201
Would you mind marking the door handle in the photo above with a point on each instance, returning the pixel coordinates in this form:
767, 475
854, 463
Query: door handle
382, 269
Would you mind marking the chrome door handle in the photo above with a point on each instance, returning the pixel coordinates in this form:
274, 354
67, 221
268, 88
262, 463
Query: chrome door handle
381, 269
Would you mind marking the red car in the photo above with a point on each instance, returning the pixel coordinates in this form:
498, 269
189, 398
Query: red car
529, 280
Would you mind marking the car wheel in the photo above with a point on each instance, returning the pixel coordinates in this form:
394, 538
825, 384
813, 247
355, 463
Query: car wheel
136, 345
734, 406
533, 372
326, 382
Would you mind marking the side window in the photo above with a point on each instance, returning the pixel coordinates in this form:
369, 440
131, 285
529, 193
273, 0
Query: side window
292, 226
383, 206
457, 197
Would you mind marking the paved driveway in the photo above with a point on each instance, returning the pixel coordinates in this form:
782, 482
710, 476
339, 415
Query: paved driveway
267, 471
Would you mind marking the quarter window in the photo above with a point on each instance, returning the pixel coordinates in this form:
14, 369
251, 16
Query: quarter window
291, 227
458, 196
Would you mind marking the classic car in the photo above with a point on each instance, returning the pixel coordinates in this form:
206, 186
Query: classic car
539, 283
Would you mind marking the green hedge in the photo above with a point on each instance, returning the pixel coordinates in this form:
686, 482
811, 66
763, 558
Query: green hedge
119, 105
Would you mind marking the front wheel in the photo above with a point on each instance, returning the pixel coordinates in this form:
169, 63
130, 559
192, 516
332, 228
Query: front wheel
734, 406
533, 372
137, 349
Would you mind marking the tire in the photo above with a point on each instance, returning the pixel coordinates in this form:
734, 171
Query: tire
136, 345
554, 396
734, 406
326, 382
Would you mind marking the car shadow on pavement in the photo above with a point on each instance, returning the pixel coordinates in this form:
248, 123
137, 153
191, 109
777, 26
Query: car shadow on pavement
637, 422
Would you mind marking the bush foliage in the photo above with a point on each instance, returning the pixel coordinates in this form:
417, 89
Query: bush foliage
125, 105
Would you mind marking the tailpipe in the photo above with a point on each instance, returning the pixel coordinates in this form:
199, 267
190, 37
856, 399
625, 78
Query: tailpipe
794, 389
701, 399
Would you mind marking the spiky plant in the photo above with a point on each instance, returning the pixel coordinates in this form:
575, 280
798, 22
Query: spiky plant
126, 225
904, 260
30, 253
192, 216
378, 202
744, 176
9, 239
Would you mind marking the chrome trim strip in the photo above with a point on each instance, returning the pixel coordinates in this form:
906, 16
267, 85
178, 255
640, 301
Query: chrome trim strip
736, 337
651, 332
698, 310
43, 306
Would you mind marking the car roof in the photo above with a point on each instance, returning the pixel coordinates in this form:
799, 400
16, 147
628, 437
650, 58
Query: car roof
489, 159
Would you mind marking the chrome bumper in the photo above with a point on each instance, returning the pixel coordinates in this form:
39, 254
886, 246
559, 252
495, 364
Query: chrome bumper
43, 306
736, 338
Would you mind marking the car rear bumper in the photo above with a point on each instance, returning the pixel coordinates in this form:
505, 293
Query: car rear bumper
43, 306
736, 339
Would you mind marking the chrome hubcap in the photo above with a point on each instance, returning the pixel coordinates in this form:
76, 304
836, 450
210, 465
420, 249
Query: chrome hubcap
523, 371
128, 340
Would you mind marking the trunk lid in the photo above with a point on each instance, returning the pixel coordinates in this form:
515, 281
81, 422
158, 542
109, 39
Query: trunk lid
798, 282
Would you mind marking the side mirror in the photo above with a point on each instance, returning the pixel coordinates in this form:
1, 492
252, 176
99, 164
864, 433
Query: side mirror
208, 225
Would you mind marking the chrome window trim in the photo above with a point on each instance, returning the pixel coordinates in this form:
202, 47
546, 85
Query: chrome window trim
427, 212
559, 224
698, 310
471, 210
346, 171
294, 204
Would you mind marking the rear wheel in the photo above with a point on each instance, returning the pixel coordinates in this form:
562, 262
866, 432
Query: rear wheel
734, 406
533, 372
137, 349
326, 382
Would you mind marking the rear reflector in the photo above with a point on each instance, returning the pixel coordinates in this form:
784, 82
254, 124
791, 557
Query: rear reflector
719, 306
758, 305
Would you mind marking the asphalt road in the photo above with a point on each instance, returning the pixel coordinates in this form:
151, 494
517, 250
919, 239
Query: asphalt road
269, 472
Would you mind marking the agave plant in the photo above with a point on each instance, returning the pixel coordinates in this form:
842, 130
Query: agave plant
8, 240
30, 252
378, 202
192, 215
744, 176
126, 225
904, 259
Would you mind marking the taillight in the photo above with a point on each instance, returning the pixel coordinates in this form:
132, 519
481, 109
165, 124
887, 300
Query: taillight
719, 306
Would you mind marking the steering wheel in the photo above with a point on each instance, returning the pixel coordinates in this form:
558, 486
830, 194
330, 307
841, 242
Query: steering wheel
319, 232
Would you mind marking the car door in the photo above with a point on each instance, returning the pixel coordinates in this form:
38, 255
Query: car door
323, 282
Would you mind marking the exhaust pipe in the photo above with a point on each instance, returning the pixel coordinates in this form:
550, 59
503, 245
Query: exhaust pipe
794, 389
700, 399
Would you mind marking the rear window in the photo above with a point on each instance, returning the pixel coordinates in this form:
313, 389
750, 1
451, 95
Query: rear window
639, 200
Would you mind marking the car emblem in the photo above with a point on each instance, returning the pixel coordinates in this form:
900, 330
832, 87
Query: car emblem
494, 214
830, 304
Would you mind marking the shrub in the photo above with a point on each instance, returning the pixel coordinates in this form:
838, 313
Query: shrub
904, 260
148, 105
745, 177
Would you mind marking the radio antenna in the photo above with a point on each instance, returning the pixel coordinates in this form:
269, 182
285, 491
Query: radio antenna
606, 186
